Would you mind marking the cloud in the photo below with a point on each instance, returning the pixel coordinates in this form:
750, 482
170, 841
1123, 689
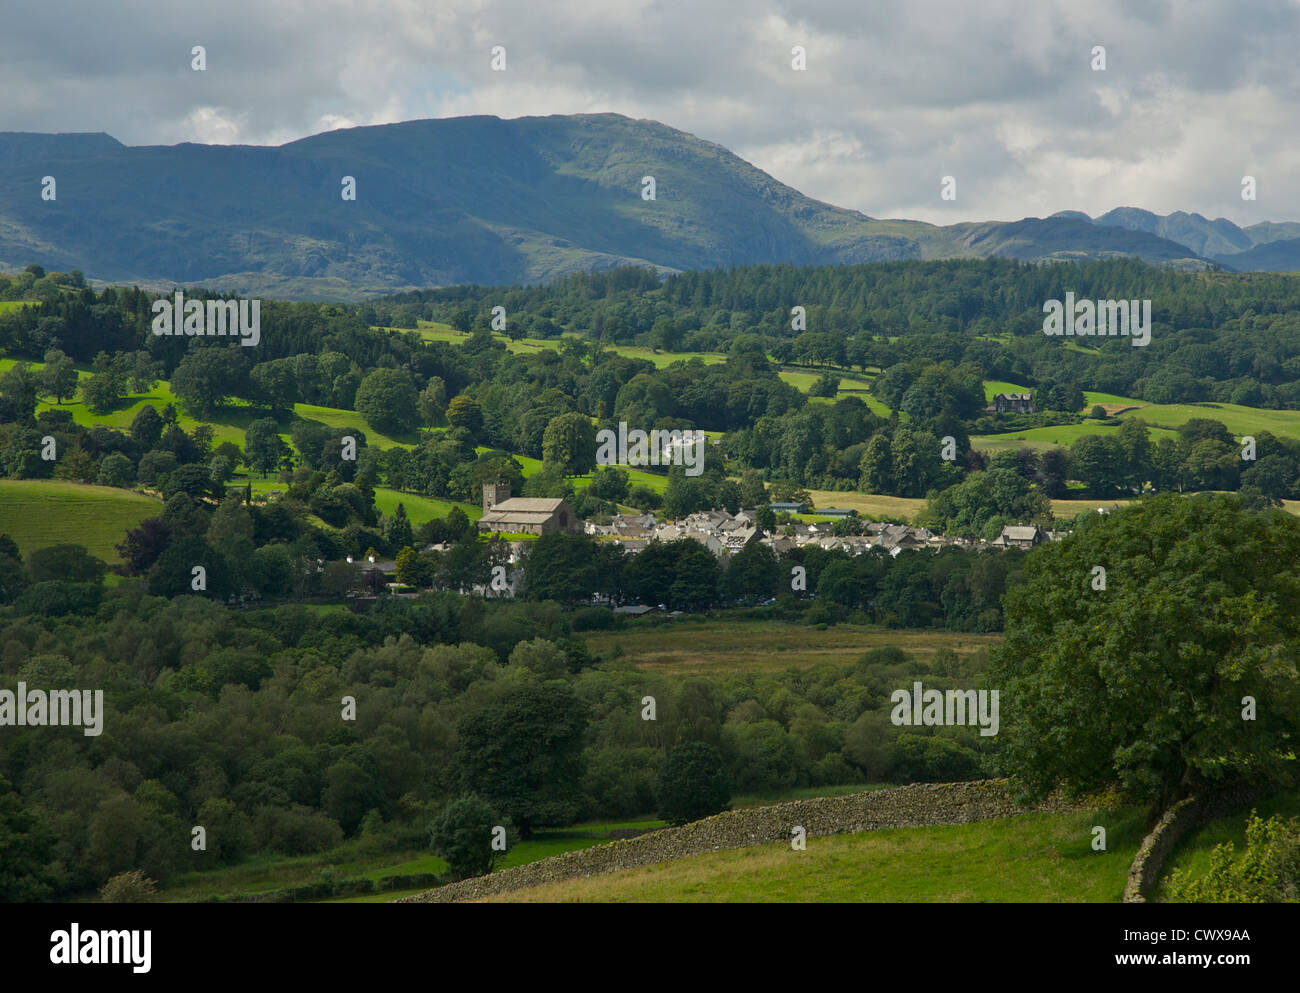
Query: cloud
1000, 94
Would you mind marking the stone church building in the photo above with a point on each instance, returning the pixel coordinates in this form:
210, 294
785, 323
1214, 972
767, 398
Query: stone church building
524, 515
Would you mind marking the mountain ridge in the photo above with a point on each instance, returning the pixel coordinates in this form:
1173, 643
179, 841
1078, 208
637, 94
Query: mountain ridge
487, 200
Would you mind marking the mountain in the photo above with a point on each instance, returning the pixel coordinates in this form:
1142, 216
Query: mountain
489, 201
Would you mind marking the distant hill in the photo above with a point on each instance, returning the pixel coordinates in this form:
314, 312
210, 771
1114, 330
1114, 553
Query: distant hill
491, 201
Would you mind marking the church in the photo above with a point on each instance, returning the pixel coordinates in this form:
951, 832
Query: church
524, 515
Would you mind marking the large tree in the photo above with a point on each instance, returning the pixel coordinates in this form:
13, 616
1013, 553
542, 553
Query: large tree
569, 444
59, 377
387, 399
1179, 676
522, 753
263, 445
206, 376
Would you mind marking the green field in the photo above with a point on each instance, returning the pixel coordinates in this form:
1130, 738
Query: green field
1238, 420
38, 513
8, 305
1032, 858
851, 385
690, 647
435, 331
1061, 436
1162, 419
994, 386
1091, 399
869, 504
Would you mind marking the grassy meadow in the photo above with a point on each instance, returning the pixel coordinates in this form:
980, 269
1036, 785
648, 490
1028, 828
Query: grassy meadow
1031, 858
700, 647
38, 513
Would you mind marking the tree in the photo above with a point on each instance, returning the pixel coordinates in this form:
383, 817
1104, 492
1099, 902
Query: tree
59, 377
102, 392
275, 385
462, 836
26, 851
987, 500
397, 529
414, 569
21, 383
523, 753
142, 371
206, 377
692, 783
66, 564
609, 483
263, 445
433, 402
219, 472
115, 469
142, 545
1143, 684
569, 443
465, 412
349, 793
561, 567
753, 492
666, 334
388, 401
147, 425
173, 574
191, 478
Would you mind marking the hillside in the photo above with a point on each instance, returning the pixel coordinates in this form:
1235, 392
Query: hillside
37, 513
462, 200
1033, 858
747, 854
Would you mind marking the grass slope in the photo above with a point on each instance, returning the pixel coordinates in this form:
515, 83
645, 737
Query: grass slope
1033, 858
869, 504
38, 513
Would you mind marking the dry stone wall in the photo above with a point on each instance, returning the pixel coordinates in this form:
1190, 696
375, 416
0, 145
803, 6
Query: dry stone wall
919, 805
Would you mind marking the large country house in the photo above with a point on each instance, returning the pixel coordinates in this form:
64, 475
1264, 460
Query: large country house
1011, 403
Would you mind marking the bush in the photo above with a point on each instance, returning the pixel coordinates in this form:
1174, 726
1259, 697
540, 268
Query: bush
692, 784
128, 887
926, 759
297, 830
463, 836
115, 470
643, 498
1268, 871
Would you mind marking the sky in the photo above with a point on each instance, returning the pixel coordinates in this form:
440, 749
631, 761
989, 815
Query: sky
1001, 96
